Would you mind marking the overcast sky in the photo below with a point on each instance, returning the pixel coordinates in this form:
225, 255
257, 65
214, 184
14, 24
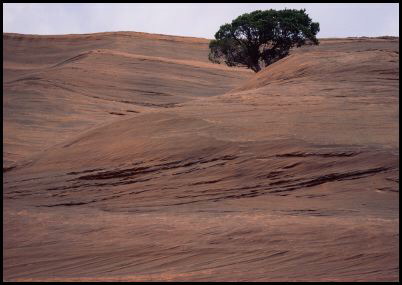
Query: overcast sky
196, 20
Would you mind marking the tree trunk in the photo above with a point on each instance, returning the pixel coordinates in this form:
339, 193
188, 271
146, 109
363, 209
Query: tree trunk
256, 68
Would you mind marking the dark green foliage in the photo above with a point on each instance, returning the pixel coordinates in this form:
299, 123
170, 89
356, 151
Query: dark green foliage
260, 38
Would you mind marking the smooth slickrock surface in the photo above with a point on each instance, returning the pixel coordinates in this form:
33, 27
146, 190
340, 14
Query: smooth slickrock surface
130, 157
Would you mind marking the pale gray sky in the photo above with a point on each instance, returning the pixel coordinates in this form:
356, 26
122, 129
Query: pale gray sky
191, 19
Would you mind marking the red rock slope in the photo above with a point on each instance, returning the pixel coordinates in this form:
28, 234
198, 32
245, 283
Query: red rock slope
134, 159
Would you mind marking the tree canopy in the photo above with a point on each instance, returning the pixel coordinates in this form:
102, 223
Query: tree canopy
260, 38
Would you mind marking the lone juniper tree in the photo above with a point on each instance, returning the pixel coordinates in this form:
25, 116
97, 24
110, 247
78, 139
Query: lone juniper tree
260, 38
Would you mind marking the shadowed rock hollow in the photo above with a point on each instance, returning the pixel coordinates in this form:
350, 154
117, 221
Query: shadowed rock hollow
130, 157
